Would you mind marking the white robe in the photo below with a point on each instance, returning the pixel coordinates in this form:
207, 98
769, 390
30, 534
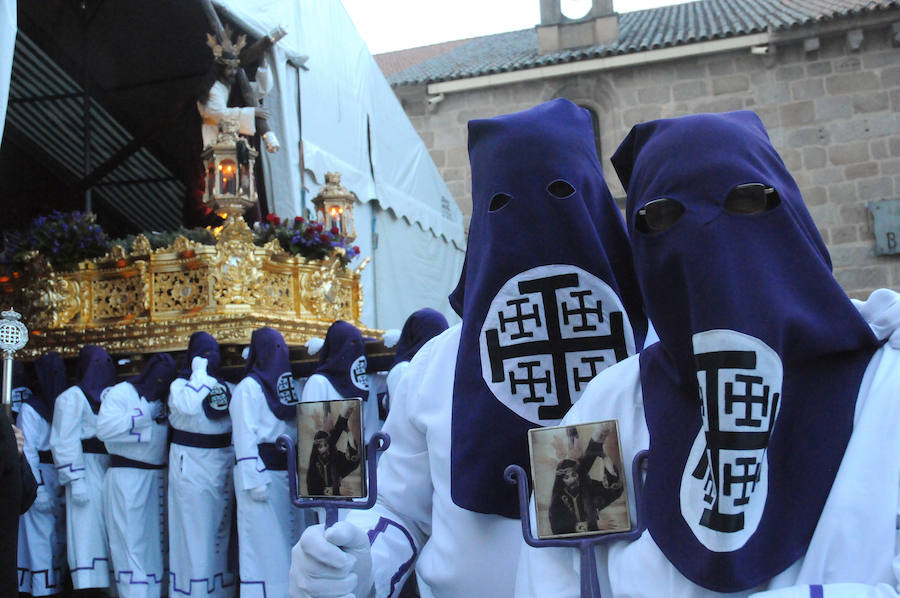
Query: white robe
86, 541
19, 395
42, 534
854, 541
134, 498
216, 109
319, 388
393, 380
267, 530
201, 497
461, 554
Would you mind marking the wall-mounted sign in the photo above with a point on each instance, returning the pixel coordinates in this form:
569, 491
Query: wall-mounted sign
886, 216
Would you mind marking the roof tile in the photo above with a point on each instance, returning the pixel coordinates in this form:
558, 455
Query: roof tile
642, 30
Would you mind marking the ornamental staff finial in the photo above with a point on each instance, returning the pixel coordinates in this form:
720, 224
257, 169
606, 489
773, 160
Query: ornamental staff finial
13, 336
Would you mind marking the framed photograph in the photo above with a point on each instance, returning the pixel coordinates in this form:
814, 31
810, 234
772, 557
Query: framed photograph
579, 480
330, 449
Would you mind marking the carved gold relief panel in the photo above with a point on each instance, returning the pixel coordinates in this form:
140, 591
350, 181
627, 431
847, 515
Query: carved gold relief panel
117, 297
183, 291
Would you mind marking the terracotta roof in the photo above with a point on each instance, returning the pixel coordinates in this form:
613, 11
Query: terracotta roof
651, 29
394, 62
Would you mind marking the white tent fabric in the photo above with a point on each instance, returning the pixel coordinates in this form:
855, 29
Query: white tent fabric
353, 123
8, 25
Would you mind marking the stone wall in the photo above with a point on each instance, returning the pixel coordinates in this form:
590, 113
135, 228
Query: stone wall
832, 113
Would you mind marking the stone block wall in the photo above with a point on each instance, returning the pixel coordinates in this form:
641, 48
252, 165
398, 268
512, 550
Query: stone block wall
832, 113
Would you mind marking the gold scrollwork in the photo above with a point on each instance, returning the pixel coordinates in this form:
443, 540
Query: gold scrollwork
182, 291
322, 292
237, 274
117, 297
277, 292
229, 290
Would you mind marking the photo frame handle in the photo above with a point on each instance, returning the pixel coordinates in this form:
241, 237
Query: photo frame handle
590, 583
379, 441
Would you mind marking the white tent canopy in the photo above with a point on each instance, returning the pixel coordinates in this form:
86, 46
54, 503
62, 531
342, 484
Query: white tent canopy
353, 123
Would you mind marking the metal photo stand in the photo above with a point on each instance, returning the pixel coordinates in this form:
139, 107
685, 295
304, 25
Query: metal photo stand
378, 442
590, 584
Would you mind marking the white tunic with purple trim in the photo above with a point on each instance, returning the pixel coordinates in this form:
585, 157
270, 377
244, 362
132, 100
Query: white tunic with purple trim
86, 541
455, 553
854, 550
267, 530
135, 497
42, 536
201, 496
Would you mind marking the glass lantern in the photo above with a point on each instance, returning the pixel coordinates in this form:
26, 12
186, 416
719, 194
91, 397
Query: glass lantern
230, 187
334, 206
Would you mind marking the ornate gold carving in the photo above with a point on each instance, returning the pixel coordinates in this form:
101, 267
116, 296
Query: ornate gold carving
55, 300
323, 294
141, 246
181, 291
237, 274
117, 253
277, 292
143, 301
117, 297
181, 245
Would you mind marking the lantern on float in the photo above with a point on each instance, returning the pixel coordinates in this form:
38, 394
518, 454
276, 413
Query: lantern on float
230, 185
334, 206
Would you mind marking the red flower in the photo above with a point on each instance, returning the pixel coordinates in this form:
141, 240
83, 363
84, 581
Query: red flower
273, 219
298, 219
325, 237
356, 249
319, 227
335, 230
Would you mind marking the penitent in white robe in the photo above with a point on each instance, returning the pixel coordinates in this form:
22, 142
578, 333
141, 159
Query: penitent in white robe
86, 541
135, 497
201, 496
42, 534
415, 524
267, 530
854, 550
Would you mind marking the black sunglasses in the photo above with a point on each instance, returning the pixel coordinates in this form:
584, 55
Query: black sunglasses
658, 215
751, 198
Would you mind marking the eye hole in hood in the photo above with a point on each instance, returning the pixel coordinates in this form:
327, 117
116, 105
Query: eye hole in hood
561, 189
498, 201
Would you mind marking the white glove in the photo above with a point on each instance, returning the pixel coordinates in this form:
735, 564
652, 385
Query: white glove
79, 491
260, 493
198, 364
332, 563
390, 337
44, 502
199, 376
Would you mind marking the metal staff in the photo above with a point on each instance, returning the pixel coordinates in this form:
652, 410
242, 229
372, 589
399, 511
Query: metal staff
590, 584
378, 442
13, 336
